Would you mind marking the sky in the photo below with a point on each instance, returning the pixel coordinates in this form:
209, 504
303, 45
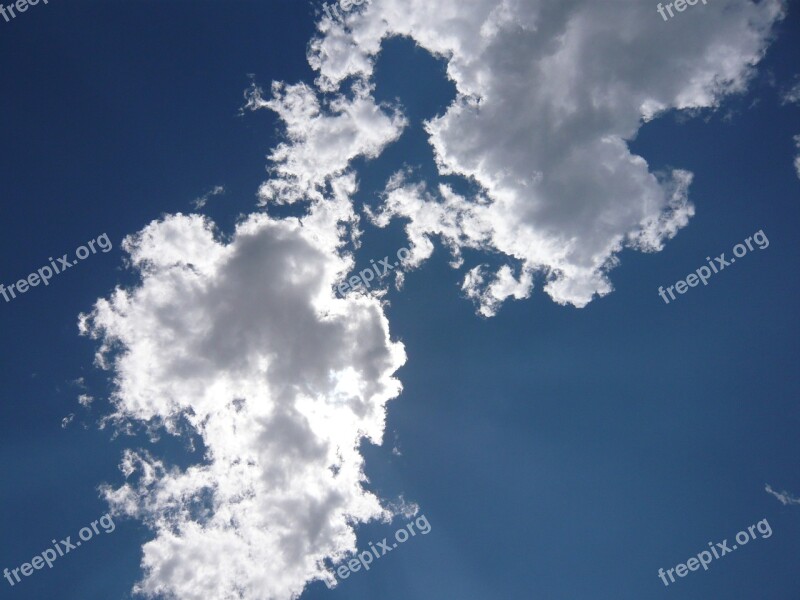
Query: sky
206, 401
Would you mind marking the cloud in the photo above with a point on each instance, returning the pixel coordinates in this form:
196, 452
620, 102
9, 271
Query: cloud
784, 497
797, 158
549, 94
792, 95
200, 202
322, 137
244, 340
67, 420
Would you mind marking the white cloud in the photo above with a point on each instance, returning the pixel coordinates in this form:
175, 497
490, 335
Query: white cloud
200, 202
85, 400
797, 158
322, 138
549, 92
244, 338
792, 95
504, 285
67, 420
784, 497
246, 341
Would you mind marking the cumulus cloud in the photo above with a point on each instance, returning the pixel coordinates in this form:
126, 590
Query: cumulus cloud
784, 497
549, 94
244, 340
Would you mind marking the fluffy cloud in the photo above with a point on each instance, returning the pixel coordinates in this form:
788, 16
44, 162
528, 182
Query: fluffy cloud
784, 497
322, 139
549, 93
245, 341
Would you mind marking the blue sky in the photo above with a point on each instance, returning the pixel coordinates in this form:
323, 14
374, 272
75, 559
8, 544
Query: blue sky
567, 444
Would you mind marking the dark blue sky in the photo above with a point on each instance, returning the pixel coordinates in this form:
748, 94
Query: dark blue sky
557, 453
